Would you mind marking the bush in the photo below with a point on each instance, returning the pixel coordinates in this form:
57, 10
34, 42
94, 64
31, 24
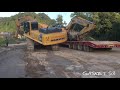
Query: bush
2, 41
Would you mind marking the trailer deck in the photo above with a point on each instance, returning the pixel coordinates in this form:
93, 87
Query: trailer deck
89, 45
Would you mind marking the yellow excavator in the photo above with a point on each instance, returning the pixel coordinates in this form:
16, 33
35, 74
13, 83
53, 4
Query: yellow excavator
78, 28
37, 33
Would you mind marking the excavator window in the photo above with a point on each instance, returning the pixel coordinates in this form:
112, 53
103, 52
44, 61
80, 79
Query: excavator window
50, 30
26, 27
34, 25
77, 27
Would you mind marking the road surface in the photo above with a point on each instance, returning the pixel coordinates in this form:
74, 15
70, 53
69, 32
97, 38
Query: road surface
17, 62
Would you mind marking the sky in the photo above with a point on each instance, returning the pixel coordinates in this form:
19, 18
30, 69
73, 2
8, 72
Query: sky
52, 15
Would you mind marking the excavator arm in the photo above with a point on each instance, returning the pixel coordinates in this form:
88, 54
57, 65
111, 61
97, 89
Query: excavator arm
19, 25
80, 27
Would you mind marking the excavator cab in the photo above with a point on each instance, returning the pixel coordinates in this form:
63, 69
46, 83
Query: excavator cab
26, 27
34, 25
30, 26
78, 28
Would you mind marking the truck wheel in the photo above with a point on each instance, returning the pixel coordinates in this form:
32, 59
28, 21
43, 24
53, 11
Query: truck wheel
80, 47
30, 44
108, 49
55, 47
75, 46
70, 46
84, 48
91, 49
87, 48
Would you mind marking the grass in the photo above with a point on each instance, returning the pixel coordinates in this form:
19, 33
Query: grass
10, 40
2, 42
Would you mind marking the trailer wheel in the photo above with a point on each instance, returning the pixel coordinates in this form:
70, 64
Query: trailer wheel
91, 49
108, 49
87, 48
84, 48
80, 47
75, 46
70, 46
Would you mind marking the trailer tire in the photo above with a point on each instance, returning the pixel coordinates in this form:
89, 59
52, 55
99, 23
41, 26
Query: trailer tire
84, 48
87, 48
108, 49
75, 46
70, 46
80, 47
91, 49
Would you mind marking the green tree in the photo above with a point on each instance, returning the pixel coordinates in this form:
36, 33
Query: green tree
107, 24
65, 23
115, 33
59, 19
8, 23
85, 15
52, 22
106, 20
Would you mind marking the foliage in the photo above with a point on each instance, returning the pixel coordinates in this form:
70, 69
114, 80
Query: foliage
59, 19
2, 41
7, 24
107, 24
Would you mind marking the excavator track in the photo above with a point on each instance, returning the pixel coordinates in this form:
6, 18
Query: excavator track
30, 44
55, 47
